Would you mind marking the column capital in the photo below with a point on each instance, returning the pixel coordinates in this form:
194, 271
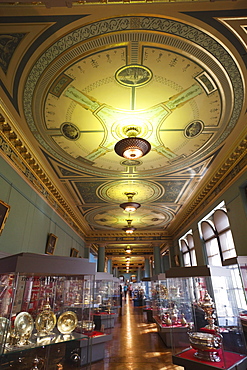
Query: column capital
156, 244
102, 245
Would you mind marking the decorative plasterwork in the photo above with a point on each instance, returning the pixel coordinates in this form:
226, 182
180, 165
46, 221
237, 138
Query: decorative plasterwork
70, 3
185, 84
74, 148
22, 159
233, 167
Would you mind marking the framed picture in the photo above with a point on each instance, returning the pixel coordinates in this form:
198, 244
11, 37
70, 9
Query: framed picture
74, 252
51, 244
4, 212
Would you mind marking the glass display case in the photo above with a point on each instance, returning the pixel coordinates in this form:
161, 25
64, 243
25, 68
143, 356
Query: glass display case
147, 288
147, 301
203, 300
162, 310
238, 269
116, 295
138, 293
106, 301
44, 303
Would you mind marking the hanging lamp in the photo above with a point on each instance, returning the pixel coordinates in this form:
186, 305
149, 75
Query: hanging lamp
132, 147
129, 229
130, 206
128, 249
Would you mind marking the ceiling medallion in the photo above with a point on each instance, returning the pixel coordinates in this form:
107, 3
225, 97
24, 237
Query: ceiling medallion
129, 229
132, 147
70, 131
130, 206
133, 75
193, 129
130, 163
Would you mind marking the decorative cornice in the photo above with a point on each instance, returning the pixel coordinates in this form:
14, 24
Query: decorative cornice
70, 3
12, 147
118, 237
232, 167
16, 151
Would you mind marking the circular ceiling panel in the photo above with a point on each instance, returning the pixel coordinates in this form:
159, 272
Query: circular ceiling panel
165, 90
113, 218
145, 191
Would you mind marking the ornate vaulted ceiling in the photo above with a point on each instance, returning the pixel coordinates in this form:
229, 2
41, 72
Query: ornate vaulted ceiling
73, 80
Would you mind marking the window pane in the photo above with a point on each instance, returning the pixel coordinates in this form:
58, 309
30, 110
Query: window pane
186, 258
190, 241
227, 245
207, 230
221, 221
184, 247
193, 257
213, 254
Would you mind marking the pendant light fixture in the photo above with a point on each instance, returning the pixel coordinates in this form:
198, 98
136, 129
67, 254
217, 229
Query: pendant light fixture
130, 206
129, 229
132, 147
128, 249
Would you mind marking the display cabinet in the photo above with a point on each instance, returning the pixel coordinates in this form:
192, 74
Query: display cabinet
238, 269
147, 288
138, 294
116, 295
163, 311
106, 303
147, 303
203, 300
45, 302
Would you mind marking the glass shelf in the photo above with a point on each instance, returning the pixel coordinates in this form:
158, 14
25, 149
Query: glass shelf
44, 301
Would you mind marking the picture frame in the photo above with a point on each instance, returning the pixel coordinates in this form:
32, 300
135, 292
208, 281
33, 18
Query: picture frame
4, 212
51, 244
74, 252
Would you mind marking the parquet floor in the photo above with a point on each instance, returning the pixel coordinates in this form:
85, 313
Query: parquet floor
135, 345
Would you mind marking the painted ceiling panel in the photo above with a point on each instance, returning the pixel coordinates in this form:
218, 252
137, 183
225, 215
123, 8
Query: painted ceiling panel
85, 79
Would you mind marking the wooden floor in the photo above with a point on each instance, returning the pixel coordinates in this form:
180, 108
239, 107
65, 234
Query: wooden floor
136, 345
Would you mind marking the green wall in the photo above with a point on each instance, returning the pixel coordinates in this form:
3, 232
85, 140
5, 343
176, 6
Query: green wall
31, 219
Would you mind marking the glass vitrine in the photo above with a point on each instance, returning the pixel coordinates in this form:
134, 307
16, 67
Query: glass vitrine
203, 301
44, 301
147, 288
238, 269
116, 295
147, 301
138, 293
106, 302
161, 307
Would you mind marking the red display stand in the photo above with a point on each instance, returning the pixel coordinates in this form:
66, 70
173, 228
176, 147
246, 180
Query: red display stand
164, 332
232, 361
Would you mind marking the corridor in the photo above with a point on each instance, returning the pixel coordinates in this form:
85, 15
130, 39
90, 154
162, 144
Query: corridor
135, 345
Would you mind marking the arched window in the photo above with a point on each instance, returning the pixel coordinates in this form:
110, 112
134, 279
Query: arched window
211, 243
185, 253
217, 237
187, 248
222, 227
191, 245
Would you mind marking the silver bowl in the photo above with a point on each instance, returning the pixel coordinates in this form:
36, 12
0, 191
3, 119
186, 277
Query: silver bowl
206, 345
88, 325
